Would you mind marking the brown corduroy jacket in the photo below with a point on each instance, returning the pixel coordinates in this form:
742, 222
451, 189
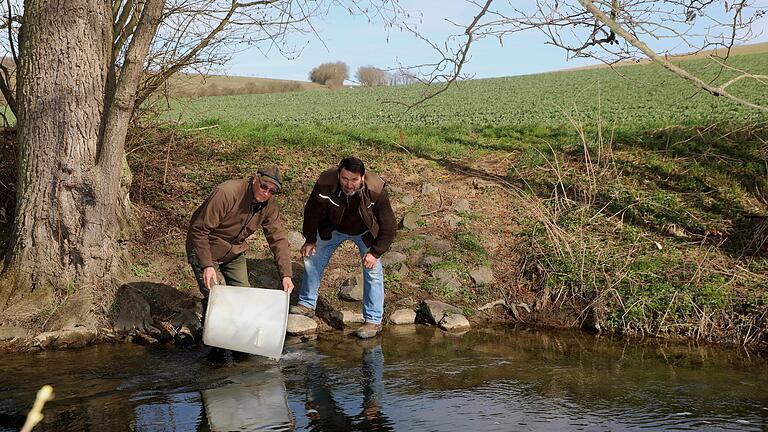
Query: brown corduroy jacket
220, 226
323, 211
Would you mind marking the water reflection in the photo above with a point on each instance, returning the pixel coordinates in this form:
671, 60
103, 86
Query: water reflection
325, 413
176, 412
411, 378
255, 401
259, 400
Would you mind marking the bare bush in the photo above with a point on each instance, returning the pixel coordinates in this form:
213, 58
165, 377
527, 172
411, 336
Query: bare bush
225, 88
370, 76
283, 87
270, 87
211, 90
332, 75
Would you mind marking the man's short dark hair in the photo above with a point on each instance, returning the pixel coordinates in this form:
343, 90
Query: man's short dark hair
352, 164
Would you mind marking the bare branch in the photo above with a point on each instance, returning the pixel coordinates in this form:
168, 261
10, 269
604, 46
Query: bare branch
158, 79
122, 29
117, 28
11, 42
696, 81
7, 84
120, 109
458, 61
744, 74
115, 9
612, 31
256, 3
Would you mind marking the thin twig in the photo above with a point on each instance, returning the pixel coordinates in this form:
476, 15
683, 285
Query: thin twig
45, 394
401, 147
168, 156
439, 209
202, 128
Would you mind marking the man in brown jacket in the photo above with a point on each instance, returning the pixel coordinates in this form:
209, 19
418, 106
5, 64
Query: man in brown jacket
220, 226
347, 203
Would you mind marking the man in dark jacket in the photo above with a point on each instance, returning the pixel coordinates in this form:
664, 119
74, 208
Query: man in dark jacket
347, 203
220, 226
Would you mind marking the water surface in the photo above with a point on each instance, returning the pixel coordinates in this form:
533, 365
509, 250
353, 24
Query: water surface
410, 378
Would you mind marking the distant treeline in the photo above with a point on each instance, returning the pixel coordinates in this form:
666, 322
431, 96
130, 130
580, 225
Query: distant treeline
217, 89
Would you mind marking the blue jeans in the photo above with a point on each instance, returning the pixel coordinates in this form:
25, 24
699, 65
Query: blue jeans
373, 279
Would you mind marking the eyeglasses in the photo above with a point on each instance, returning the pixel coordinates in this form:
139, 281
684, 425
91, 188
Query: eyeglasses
266, 188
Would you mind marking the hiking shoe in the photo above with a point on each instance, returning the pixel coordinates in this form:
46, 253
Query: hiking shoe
301, 310
368, 330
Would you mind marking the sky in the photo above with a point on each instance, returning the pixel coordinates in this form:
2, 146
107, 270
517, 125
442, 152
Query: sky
358, 42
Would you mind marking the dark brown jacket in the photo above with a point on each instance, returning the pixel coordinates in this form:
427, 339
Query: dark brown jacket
324, 210
220, 226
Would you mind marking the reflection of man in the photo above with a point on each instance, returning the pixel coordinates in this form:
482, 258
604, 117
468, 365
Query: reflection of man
347, 203
373, 385
325, 413
220, 226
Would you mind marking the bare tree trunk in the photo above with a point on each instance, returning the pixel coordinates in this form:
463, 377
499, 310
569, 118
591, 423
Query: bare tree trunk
65, 224
72, 131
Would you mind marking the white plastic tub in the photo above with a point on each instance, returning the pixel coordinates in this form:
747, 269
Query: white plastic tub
251, 320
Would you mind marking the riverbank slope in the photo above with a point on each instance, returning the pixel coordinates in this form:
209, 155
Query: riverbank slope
621, 203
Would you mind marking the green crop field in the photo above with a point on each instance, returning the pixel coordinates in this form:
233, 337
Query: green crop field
642, 95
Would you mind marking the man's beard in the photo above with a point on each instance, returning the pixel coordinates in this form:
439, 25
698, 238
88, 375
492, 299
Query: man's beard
354, 191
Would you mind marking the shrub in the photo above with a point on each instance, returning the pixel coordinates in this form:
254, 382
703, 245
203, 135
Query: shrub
330, 74
370, 76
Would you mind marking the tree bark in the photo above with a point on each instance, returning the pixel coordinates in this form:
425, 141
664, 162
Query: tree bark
65, 222
71, 137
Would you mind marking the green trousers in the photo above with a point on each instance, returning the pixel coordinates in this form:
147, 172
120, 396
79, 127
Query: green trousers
235, 272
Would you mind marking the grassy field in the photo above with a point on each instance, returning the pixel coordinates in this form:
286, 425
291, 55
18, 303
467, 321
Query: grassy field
757, 48
626, 201
639, 96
